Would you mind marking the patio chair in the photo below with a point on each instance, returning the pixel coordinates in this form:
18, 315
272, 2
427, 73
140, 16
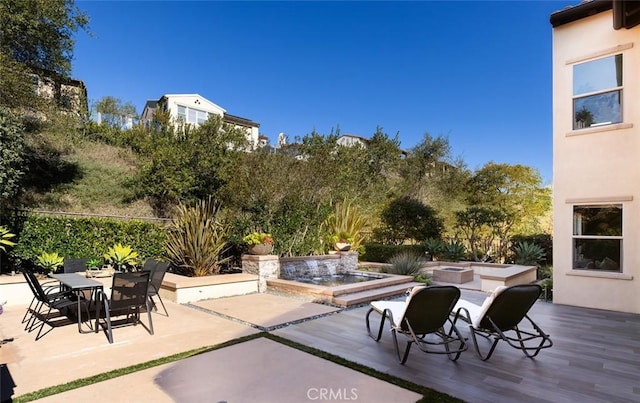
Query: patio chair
422, 318
74, 265
51, 300
48, 287
128, 296
500, 317
157, 270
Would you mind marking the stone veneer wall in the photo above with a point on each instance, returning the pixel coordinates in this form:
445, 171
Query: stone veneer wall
289, 268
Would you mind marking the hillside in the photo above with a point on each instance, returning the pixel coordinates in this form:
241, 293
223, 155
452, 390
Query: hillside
88, 177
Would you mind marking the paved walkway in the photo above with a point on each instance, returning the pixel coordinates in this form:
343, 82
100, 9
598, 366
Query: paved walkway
259, 370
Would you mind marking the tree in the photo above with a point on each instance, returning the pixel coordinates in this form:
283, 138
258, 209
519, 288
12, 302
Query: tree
408, 219
189, 163
516, 192
39, 33
12, 167
36, 37
112, 112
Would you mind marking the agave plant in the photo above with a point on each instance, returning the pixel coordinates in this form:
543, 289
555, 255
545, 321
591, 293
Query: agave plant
5, 237
528, 254
197, 239
406, 263
50, 261
346, 223
121, 256
454, 251
434, 247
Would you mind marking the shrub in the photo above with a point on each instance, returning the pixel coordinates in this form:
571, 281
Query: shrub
408, 219
345, 224
5, 237
406, 263
454, 251
434, 247
382, 253
122, 257
197, 239
545, 241
84, 237
528, 254
50, 262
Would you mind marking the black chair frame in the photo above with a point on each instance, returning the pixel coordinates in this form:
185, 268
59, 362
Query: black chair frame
427, 314
503, 319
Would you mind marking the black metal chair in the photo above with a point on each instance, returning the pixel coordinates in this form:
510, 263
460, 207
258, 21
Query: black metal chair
74, 265
128, 296
59, 301
157, 271
500, 318
422, 318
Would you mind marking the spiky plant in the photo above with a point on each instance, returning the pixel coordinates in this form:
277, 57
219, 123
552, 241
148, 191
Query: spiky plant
346, 222
434, 247
528, 254
121, 256
454, 251
197, 239
5, 237
50, 261
406, 263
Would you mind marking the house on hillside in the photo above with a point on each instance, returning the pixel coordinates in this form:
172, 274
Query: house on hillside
350, 140
195, 109
596, 149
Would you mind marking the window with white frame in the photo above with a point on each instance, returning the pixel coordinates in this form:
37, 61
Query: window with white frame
597, 237
597, 92
191, 115
182, 113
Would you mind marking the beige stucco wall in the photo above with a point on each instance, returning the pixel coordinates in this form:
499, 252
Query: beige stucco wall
596, 165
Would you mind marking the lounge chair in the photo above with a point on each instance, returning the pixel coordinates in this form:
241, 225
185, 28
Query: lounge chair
128, 296
500, 318
421, 318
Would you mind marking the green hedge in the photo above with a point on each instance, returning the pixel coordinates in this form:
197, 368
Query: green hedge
382, 253
85, 237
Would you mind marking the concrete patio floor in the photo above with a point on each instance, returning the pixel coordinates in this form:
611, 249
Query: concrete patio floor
595, 358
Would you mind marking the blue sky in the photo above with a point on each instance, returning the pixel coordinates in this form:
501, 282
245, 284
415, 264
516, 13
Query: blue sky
476, 72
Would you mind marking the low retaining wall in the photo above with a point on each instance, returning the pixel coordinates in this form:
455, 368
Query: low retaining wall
176, 288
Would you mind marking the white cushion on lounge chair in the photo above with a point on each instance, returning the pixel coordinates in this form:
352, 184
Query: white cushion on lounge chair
397, 308
477, 312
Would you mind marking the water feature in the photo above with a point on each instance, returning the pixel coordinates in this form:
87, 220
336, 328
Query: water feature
337, 279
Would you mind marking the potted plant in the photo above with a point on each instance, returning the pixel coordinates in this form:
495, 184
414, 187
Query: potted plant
50, 262
260, 243
121, 257
94, 264
342, 241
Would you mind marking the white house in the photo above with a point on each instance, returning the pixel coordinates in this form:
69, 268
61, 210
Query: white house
194, 109
596, 155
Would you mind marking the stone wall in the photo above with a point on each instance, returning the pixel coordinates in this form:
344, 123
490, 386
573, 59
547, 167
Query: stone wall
290, 268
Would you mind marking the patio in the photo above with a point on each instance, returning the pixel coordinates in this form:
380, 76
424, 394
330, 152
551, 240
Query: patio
595, 357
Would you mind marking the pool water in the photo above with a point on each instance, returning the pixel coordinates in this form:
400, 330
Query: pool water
336, 279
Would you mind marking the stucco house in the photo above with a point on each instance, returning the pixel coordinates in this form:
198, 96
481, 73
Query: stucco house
194, 109
596, 155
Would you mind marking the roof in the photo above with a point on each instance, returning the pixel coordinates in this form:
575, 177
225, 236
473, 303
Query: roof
626, 14
240, 121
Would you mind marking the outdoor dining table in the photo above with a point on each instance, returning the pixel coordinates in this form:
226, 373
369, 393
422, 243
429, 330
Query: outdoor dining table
78, 283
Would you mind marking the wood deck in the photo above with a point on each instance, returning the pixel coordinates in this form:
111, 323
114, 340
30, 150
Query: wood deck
595, 357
